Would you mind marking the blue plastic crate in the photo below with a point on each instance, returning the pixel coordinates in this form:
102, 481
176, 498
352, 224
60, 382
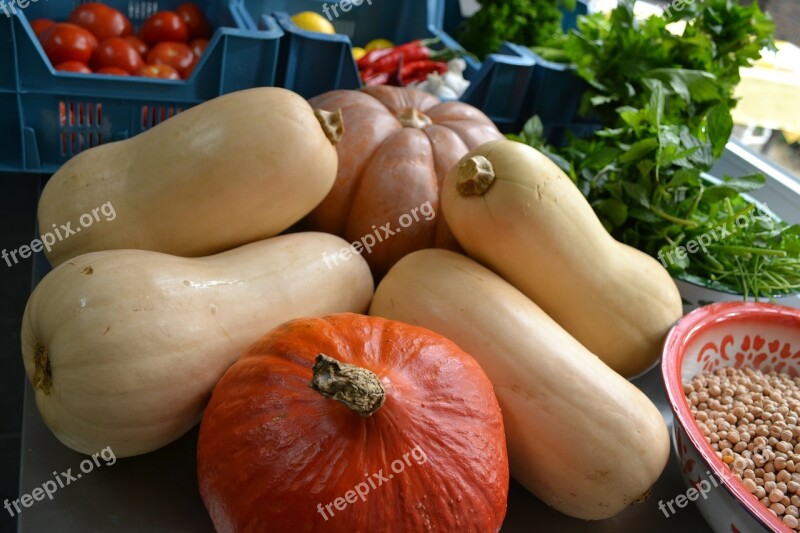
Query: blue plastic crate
553, 91
56, 115
313, 63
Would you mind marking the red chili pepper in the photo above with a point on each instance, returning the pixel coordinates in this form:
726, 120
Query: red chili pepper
372, 78
372, 56
390, 62
376, 59
419, 70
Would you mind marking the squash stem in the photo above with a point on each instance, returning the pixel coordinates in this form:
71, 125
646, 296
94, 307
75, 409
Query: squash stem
357, 388
413, 118
475, 176
332, 123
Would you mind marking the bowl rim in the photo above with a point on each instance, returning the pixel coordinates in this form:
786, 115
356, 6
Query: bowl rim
688, 327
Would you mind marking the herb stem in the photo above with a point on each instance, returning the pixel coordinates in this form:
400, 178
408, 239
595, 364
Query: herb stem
675, 220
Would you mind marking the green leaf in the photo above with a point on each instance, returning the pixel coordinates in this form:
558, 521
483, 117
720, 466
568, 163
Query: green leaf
691, 85
791, 239
533, 128
715, 193
745, 184
639, 149
615, 210
600, 100
637, 192
602, 157
720, 126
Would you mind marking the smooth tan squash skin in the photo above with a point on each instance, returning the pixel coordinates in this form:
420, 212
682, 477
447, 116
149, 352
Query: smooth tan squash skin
534, 228
580, 437
137, 340
236, 169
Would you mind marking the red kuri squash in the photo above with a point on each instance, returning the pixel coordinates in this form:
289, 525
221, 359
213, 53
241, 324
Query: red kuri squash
397, 148
352, 423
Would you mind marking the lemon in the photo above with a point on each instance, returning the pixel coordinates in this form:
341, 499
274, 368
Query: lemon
377, 44
310, 21
358, 53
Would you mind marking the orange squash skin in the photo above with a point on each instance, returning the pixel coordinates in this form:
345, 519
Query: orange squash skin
272, 450
390, 164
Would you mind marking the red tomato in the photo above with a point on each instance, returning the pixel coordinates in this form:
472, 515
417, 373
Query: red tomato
187, 73
195, 19
114, 71
103, 21
40, 25
177, 55
159, 71
138, 44
199, 46
73, 66
67, 42
117, 52
164, 26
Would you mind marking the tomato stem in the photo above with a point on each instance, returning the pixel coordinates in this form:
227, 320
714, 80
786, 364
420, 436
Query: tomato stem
357, 388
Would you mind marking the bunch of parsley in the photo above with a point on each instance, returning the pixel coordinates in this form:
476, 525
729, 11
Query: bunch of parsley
663, 100
525, 22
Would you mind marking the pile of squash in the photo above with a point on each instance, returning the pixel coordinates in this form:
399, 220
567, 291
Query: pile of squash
499, 338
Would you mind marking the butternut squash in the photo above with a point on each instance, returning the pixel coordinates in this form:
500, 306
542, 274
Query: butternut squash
516, 212
124, 347
234, 170
580, 437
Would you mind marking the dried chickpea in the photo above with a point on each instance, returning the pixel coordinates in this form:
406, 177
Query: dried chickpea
750, 419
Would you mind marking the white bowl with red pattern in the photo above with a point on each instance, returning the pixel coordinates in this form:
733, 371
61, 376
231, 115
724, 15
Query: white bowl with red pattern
730, 334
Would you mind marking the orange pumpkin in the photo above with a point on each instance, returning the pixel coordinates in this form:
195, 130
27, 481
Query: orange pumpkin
394, 428
397, 148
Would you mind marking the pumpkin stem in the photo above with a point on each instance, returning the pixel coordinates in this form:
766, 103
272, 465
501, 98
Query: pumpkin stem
357, 388
475, 176
332, 123
413, 118
42, 375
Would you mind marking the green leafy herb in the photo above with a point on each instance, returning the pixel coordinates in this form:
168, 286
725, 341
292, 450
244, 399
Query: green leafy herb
525, 22
663, 101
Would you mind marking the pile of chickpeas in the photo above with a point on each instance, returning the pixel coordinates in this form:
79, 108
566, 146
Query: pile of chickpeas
750, 418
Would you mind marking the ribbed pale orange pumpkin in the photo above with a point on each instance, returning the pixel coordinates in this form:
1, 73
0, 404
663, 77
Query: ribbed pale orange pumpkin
394, 429
397, 148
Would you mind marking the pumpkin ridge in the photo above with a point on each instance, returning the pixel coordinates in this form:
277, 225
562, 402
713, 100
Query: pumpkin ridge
372, 190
